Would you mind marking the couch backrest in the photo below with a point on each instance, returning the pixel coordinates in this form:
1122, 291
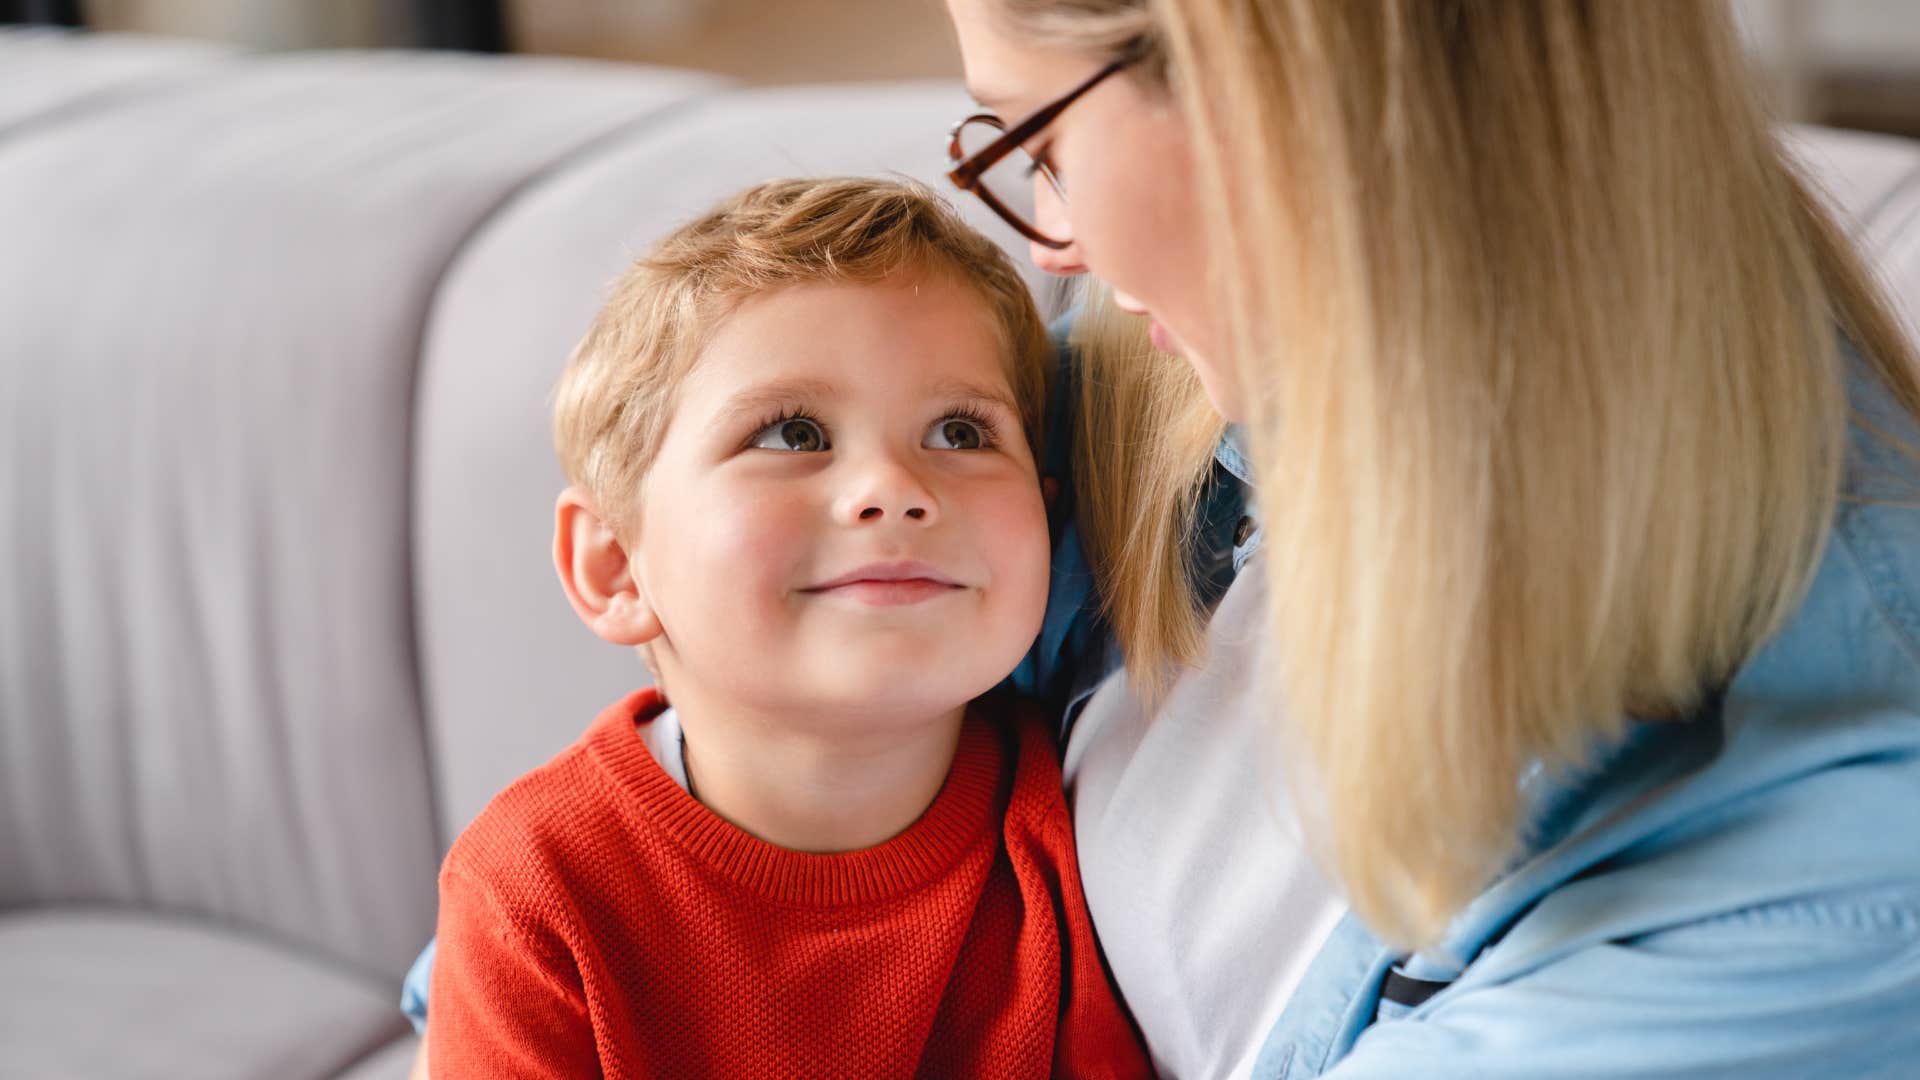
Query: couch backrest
213, 284
1874, 183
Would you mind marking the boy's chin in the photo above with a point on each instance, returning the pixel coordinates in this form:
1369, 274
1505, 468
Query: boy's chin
908, 672
898, 697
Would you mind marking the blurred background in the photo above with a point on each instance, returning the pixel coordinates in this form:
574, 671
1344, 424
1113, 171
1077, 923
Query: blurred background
1845, 63
761, 41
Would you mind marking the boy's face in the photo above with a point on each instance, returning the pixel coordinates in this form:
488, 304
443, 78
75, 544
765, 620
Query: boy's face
844, 514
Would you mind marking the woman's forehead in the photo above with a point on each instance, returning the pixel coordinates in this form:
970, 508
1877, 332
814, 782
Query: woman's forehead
1006, 73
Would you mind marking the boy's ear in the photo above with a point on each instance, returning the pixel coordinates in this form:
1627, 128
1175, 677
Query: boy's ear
597, 575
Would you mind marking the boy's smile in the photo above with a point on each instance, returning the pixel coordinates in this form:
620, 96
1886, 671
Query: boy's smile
887, 584
844, 518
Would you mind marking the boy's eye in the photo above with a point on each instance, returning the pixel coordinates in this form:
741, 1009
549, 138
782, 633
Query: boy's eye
955, 433
793, 433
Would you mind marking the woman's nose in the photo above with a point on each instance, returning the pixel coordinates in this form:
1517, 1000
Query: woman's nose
1050, 216
1063, 261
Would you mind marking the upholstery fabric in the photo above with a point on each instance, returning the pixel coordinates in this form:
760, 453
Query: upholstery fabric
391, 1062
211, 298
96, 993
1874, 181
48, 74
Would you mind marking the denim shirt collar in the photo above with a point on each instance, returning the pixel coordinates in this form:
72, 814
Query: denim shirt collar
1232, 454
1241, 518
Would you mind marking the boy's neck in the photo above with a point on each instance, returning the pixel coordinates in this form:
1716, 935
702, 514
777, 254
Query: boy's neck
821, 786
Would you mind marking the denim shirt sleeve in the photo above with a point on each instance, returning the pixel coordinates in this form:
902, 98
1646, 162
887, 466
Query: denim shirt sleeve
413, 992
1794, 989
1074, 646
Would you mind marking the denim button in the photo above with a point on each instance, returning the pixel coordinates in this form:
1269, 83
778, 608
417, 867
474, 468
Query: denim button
1243, 530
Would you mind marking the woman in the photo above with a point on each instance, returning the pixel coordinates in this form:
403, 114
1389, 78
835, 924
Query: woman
1576, 634
1585, 454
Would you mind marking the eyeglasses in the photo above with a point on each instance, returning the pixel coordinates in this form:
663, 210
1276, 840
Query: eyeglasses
992, 161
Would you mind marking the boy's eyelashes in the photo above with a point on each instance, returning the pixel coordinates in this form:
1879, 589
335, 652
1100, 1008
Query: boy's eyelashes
795, 430
962, 429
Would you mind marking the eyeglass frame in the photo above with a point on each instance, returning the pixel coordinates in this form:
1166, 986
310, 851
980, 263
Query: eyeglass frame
968, 169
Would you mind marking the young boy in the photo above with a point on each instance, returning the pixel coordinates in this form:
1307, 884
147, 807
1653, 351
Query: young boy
800, 439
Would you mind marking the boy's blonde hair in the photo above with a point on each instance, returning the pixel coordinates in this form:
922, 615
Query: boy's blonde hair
612, 405
1539, 322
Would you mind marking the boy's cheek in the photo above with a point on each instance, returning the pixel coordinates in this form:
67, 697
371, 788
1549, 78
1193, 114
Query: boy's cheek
1014, 527
730, 566
743, 533
1018, 515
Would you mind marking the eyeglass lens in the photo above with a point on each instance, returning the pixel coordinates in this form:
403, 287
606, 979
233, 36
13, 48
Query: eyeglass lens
1014, 180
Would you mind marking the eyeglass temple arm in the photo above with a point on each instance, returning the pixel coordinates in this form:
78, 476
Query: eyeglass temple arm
967, 173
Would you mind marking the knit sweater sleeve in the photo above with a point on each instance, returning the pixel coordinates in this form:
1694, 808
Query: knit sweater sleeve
503, 1004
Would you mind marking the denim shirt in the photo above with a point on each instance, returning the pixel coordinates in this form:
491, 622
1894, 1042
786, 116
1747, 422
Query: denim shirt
1733, 895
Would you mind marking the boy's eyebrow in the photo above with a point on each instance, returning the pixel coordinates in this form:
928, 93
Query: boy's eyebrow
962, 390
768, 396
757, 401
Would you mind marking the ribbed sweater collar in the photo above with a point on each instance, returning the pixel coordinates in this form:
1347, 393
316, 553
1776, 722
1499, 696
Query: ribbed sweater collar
963, 818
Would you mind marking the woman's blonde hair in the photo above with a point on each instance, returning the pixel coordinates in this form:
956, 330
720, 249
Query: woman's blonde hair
1143, 447
612, 403
1540, 327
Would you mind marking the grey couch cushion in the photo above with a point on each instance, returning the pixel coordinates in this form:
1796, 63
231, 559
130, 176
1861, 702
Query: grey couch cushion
1875, 182
391, 1062
94, 993
211, 300
509, 690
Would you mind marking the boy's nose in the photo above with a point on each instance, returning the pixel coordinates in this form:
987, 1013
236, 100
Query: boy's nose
918, 507
888, 492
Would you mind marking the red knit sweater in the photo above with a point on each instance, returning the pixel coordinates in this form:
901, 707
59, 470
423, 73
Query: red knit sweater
597, 919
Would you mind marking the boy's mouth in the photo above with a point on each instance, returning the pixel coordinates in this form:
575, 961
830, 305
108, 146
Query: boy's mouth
888, 584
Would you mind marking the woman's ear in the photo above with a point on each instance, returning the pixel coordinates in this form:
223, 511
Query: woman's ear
597, 575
